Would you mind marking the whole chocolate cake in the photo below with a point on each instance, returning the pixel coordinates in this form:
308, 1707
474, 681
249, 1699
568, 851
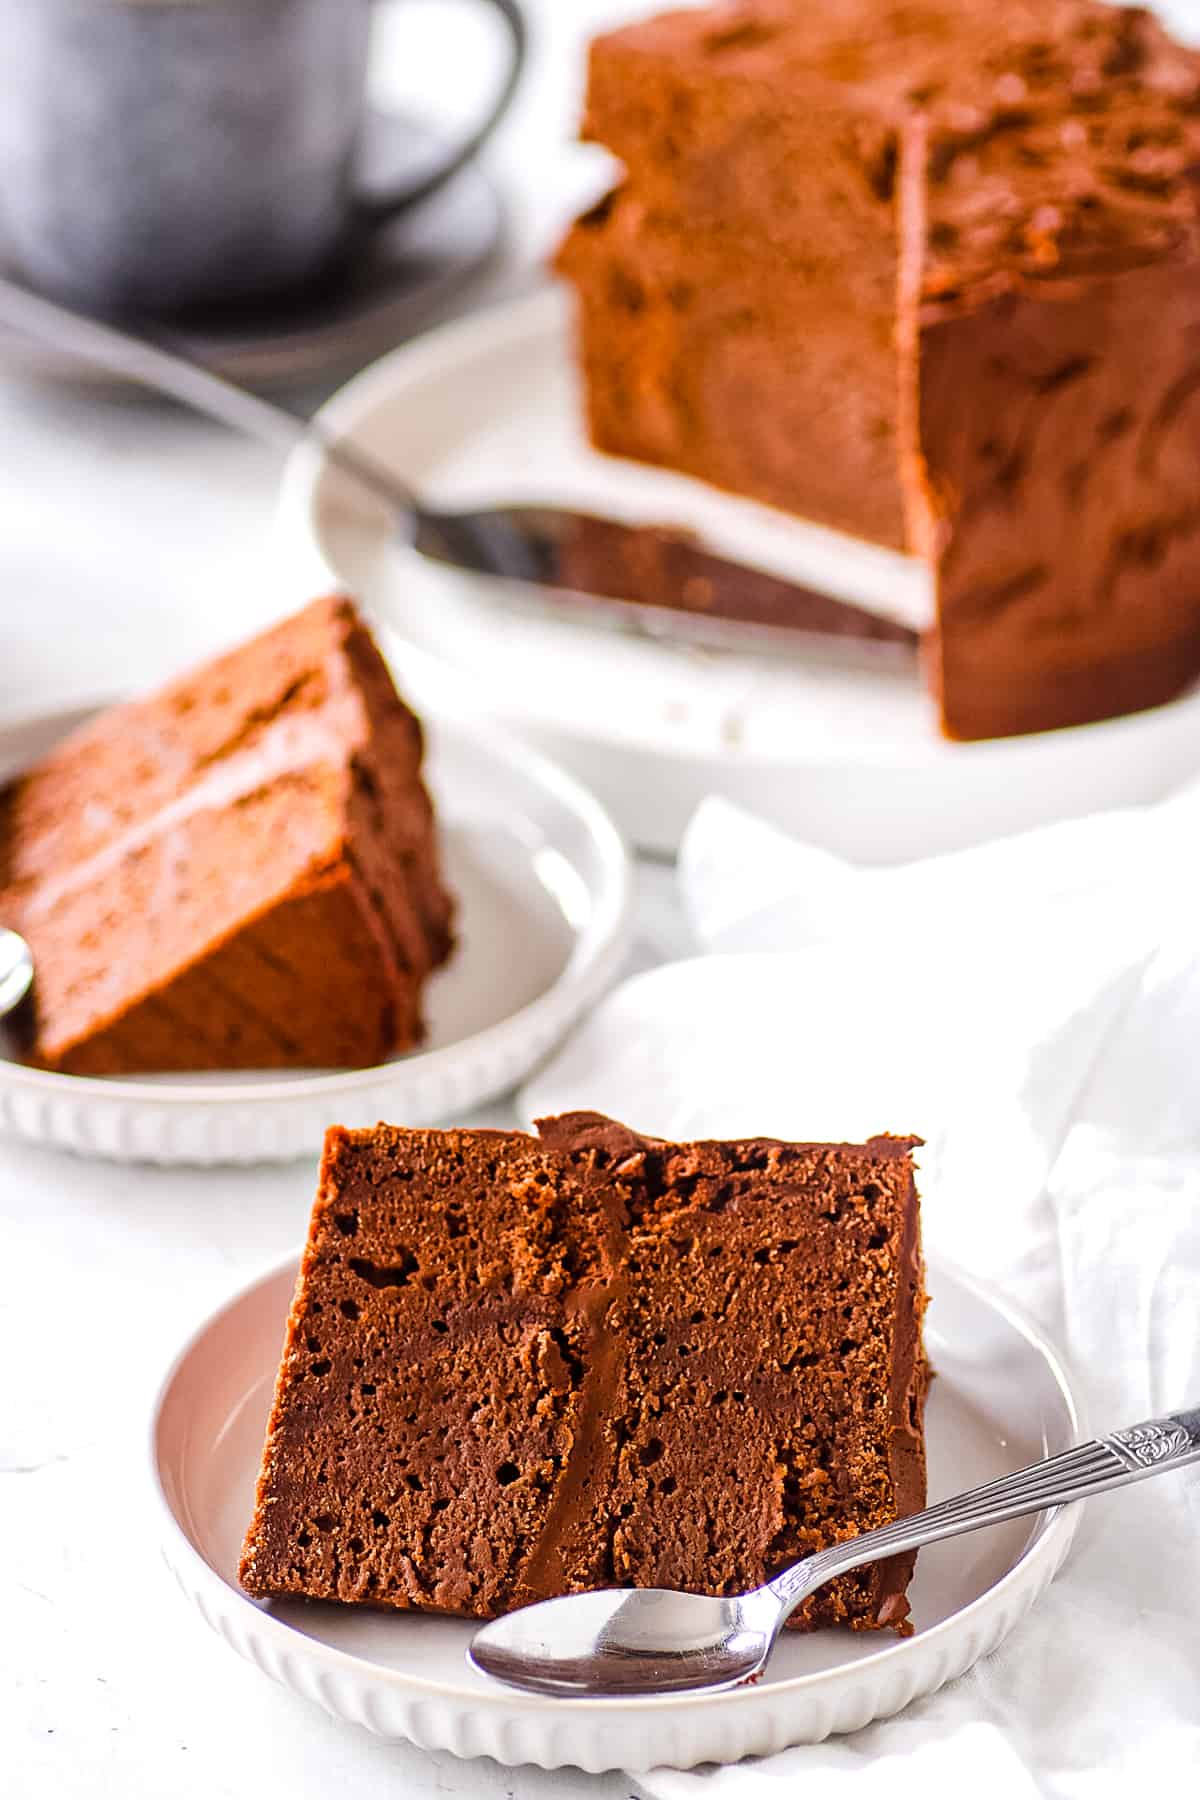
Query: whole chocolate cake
240, 872
517, 1367
927, 271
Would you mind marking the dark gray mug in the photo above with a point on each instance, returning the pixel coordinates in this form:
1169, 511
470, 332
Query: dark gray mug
160, 155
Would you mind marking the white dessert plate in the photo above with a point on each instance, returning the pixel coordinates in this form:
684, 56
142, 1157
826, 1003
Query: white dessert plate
543, 885
1000, 1399
488, 408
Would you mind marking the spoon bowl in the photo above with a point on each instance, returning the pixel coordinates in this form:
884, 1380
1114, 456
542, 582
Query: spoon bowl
16, 971
629, 1641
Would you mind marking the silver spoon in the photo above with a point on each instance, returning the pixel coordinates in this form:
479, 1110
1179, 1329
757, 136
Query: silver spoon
551, 557
630, 1643
16, 971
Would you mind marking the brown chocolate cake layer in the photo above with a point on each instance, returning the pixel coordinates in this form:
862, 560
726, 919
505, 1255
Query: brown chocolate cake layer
239, 872
928, 274
517, 1367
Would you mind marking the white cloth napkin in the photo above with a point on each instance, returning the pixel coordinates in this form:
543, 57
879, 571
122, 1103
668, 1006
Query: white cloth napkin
1032, 1008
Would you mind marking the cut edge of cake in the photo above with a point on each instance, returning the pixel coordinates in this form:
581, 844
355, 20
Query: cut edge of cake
433, 1477
240, 871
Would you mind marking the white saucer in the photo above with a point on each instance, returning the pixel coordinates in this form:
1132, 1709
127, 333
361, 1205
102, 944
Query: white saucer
543, 885
1000, 1399
408, 269
488, 408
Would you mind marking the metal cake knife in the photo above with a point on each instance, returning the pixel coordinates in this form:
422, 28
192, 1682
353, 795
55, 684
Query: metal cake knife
658, 580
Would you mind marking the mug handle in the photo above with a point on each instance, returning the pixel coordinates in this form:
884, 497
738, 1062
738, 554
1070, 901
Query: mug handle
376, 207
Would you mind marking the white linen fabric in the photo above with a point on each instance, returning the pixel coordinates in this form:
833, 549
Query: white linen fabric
1032, 1008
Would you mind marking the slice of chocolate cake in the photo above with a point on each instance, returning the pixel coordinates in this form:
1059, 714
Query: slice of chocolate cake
240, 872
927, 274
518, 1367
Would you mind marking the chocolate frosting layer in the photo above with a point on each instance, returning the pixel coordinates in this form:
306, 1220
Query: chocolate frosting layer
615, 1145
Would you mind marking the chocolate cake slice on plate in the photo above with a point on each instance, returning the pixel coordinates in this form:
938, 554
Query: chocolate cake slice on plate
518, 1367
239, 872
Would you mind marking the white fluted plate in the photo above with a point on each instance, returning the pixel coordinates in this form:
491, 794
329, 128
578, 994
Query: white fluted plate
543, 884
1000, 1399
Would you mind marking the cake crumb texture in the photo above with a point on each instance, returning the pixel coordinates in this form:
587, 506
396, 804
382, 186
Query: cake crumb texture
238, 872
926, 272
521, 1367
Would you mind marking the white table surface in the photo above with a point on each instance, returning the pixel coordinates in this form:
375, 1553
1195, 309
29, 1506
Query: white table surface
134, 539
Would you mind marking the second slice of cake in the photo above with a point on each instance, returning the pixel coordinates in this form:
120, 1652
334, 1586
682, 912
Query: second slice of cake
241, 871
519, 1367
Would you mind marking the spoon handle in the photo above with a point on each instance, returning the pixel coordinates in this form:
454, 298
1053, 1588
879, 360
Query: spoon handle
1150, 1448
170, 372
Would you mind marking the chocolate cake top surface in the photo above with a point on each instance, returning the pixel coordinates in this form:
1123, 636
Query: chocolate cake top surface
1059, 137
518, 1367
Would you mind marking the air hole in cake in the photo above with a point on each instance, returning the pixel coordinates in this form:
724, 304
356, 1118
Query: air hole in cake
313, 1344
1064, 374
348, 1308
347, 1223
396, 1275
368, 1387
366, 780
440, 1325
667, 1485
746, 34
650, 1451
507, 1473
324, 1521
415, 1483
380, 1520
881, 171
356, 1546
304, 1539
684, 1186
320, 1368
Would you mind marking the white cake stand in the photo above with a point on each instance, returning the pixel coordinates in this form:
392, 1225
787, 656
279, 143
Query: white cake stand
851, 760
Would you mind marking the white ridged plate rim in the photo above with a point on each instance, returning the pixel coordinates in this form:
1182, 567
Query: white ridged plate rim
479, 1718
